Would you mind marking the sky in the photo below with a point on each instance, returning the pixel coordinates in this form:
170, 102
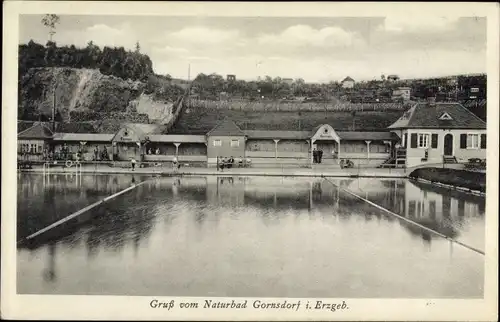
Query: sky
315, 49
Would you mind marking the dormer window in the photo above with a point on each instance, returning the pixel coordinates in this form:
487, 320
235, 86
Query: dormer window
326, 131
126, 133
445, 117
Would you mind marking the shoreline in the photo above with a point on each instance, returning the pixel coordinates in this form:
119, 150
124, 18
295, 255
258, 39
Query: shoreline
460, 180
272, 172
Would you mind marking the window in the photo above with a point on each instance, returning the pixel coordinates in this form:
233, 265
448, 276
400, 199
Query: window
434, 141
473, 141
474, 90
423, 140
235, 143
217, 143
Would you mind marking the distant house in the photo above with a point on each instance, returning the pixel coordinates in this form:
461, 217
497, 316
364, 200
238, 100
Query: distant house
393, 78
348, 82
288, 81
401, 93
231, 78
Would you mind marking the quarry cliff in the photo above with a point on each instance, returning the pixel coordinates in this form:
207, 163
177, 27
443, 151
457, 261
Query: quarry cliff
86, 95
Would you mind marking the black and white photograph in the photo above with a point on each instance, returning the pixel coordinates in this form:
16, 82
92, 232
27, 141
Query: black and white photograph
265, 166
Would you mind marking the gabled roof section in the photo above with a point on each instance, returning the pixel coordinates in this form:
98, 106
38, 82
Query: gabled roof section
348, 79
37, 131
226, 128
426, 115
325, 132
404, 120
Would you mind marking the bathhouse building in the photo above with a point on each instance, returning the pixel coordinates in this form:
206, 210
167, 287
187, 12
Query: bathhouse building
33, 142
426, 134
436, 133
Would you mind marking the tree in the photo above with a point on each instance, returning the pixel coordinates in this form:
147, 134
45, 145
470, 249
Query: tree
137, 47
50, 21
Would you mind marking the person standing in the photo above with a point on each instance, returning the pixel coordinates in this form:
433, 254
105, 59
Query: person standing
315, 156
320, 156
132, 162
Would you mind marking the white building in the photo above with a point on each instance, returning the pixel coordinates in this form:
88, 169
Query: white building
348, 82
402, 92
437, 133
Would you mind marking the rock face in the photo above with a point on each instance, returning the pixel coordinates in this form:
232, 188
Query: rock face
83, 95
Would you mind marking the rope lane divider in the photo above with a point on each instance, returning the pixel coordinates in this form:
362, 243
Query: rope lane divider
81, 211
407, 220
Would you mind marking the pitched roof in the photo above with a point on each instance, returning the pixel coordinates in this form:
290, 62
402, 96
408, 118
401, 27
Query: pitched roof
85, 137
348, 79
178, 138
369, 136
424, 115
37, 131
292, 135
226, 128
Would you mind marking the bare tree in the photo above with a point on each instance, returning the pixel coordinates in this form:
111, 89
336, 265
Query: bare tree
50, 21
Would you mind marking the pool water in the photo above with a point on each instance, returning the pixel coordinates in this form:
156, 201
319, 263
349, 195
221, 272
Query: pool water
249, 237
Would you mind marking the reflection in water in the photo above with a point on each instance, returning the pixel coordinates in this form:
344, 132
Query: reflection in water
423, 204
170, 224
49, 274
58, 195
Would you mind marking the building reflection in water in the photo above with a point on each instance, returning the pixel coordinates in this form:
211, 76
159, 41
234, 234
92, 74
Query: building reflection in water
49, 274
130, 219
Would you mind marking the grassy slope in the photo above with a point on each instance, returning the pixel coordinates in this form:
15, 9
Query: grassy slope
200, 121
458, 178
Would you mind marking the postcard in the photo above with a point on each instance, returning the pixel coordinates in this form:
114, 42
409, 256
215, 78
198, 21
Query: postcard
250, 161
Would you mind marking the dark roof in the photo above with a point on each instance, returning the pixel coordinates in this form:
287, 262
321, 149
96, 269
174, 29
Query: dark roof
84, 137
348, 79
369, 136
226, 128
297, 135
37, 131
425, 115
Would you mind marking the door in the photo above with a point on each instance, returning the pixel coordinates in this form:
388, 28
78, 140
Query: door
448, 144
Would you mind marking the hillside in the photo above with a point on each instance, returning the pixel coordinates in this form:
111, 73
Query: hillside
88, 95
200, 120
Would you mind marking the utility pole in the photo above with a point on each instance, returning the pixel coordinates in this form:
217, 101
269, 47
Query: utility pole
54, 110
